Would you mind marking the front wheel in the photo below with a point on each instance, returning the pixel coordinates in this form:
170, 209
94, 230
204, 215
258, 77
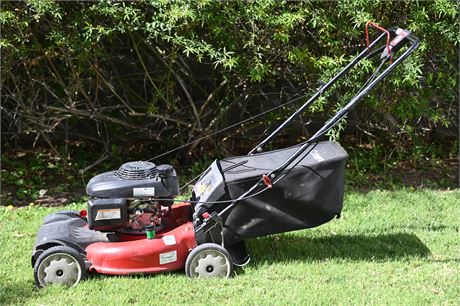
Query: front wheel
59, 265
209, 260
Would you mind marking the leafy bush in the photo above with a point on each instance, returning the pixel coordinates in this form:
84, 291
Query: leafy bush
166, 72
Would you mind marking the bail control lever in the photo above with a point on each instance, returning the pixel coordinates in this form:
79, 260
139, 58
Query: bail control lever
383, 30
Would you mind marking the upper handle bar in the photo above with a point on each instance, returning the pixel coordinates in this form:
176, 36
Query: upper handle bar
363, 54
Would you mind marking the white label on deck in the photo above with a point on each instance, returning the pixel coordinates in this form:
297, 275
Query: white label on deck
168, 257
169, 240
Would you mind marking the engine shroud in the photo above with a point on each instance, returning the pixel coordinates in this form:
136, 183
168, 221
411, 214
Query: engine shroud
135, 180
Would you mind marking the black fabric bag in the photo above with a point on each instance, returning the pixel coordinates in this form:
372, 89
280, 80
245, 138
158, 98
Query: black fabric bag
310, 193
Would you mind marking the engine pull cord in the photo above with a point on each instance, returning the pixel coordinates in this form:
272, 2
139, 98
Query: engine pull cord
228, 127
189, 182
261, 183
218, 202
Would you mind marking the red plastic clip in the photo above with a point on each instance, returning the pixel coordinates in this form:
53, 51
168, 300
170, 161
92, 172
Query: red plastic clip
206, 215
267, 181
83, 213
383, 30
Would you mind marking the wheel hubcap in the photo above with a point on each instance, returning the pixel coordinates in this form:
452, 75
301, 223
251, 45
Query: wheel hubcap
210, 263
59, 268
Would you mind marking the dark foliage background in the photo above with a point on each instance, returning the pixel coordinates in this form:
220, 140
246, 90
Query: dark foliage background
95, 83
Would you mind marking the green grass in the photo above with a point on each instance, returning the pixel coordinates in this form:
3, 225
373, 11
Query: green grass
389, 247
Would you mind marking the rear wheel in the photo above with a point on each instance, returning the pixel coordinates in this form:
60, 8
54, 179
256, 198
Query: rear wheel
59, 265
209, 260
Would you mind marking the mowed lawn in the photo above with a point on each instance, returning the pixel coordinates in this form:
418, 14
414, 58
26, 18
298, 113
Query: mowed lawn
390, 247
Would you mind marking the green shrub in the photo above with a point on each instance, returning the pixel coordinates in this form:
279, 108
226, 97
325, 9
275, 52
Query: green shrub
167, 72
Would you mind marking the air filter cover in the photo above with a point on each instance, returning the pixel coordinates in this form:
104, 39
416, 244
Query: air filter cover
137, 170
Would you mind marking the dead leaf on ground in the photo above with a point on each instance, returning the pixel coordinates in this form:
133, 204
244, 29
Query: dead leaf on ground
18, 235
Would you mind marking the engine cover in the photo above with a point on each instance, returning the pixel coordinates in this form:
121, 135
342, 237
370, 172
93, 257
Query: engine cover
138, 179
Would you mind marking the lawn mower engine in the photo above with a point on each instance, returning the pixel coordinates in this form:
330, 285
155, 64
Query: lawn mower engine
130, 226
131, 198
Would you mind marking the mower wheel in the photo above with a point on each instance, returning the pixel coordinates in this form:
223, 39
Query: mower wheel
59, 265
209, 260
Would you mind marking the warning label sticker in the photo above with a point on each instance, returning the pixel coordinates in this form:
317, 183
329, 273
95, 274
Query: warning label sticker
169, 240
168, 257
144, 192
316, 156
108, 214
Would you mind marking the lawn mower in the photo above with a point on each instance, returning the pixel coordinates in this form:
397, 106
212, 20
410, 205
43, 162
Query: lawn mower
134, 224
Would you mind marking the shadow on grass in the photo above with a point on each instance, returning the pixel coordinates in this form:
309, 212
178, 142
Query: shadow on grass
16, 293
287, 248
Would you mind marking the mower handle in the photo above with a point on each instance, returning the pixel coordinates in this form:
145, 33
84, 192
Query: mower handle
276, 174
401, 34
365, 53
